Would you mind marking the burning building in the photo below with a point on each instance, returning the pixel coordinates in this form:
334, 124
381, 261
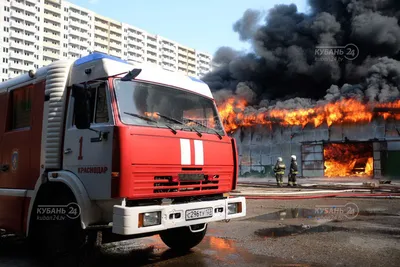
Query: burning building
337, 112
338, 140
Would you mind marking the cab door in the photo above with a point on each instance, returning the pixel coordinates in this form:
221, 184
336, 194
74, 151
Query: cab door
87, 153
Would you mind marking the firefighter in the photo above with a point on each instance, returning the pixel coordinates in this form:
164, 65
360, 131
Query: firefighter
279, 170
293, 172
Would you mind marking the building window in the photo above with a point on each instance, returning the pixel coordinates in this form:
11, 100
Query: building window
6, 19
5, 50
21, 104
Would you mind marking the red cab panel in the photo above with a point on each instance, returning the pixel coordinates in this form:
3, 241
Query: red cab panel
153, 161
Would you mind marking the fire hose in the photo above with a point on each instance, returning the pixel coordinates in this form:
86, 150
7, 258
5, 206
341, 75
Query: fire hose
338, 195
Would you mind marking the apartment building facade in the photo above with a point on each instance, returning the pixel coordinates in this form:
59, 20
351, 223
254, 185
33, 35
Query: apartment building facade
35, 33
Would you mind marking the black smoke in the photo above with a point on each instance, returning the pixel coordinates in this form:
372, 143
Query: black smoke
283, 67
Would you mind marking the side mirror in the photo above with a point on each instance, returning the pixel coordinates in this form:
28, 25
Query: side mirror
81, 95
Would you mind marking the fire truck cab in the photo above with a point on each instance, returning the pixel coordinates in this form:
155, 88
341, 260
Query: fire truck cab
98, 143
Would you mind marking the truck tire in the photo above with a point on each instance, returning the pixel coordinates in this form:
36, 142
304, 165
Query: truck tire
56, 240
182, 239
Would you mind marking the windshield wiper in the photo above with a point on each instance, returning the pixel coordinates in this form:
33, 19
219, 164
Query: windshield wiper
149, 119
180, 122
140, 117
198, 123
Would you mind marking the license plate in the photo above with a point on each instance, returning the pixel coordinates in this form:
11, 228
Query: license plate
191, 177
199, 214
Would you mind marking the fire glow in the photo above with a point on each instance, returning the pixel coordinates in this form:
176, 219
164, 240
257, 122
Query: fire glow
233, 115
343, 160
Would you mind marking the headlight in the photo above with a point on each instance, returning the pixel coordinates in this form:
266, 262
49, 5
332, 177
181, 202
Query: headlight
149, 219
234, 208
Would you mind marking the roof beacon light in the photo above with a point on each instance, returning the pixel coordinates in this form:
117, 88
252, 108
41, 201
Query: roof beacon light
131, 75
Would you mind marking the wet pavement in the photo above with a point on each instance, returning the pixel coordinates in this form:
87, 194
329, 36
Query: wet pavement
322, 232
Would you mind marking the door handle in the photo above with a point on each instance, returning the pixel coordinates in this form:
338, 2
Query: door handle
68, 151
4, 168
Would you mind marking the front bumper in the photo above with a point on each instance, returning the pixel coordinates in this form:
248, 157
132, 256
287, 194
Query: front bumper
126, 219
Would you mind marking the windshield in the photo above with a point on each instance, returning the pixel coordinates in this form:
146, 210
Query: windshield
165, 106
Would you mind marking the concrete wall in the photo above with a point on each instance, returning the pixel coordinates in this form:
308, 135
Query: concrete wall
259, 146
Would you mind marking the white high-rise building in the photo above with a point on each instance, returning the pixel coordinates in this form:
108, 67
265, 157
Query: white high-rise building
35, 33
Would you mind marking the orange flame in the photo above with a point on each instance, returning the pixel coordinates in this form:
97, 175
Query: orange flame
342, 160
343, 111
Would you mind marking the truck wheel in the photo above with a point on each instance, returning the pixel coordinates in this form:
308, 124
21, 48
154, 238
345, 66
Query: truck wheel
56, 238
182, 238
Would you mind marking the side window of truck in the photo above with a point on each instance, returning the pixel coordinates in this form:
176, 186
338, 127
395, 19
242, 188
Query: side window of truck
20, 106
98, 105
101, 112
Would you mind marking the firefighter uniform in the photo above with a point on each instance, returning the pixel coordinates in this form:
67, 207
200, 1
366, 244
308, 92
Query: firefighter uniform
293, 172
279, 170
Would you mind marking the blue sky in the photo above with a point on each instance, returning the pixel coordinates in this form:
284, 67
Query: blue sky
203, 24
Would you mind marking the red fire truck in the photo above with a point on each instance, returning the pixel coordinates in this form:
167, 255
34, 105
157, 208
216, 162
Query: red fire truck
101, 144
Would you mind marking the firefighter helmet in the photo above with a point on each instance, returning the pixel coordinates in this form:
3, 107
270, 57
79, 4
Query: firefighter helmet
279, 159
293, 157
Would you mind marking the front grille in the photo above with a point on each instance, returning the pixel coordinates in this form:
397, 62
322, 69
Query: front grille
164, 184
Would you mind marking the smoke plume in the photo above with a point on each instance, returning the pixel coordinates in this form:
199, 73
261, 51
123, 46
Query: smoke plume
288, 69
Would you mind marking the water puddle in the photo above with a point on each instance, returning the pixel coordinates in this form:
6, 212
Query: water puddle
295, 230
288, 214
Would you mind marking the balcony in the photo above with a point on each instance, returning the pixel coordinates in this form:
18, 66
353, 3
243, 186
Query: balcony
75, 50
17, 45
17, 15
136, 42
116, 46
135, 35
53, 9
21, 36
51, 45
78, 16
116, 38
75, 41
169, 60
136, 58
151, 49
22, 56
101, 25
30, 18
182, 65
182, 52
51, 55
46, 62
30, 58
17, 35
52, 18
192, 67
100, 49
19, 66
116, 29
77, 24
101, 33
52, 27
151, 56
51, 36
31, 1
78, 33
18, 5
115, 53
170, 68
30, 29
15, 55
30, 48
101, 41
20, 26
